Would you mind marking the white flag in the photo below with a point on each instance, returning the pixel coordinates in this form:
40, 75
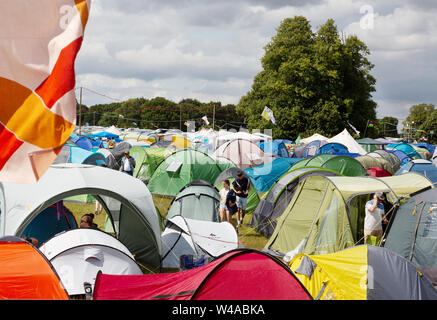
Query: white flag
268, 115
356, 131
204, 118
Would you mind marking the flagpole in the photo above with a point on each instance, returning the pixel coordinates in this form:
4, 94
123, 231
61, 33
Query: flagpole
367, 124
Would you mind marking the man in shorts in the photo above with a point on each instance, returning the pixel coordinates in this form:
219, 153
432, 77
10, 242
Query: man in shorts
375, 216
241, 187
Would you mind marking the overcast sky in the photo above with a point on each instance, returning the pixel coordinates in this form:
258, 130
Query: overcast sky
211, 50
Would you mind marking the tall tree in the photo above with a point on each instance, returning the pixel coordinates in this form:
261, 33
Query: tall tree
313, 82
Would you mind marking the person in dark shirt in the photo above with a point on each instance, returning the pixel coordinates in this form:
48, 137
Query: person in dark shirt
231, 206
241, 187
87, 221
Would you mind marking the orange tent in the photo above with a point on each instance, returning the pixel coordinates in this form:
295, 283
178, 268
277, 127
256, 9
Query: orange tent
25, 274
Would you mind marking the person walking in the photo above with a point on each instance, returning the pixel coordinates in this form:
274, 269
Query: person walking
127, 164
375, 216
241, 187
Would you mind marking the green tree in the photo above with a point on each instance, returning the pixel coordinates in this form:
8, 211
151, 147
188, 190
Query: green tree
388, 127
313, 82
422, 118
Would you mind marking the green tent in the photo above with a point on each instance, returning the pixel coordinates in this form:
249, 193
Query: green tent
182, 167
199, 200
368, 161
326, 213
231, 175
344, 165
369, 144
147, 160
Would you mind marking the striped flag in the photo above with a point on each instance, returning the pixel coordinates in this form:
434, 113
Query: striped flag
39, 41
268, 115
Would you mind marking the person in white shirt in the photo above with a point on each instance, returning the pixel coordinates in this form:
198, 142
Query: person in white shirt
127, 164
223, 193
375, 216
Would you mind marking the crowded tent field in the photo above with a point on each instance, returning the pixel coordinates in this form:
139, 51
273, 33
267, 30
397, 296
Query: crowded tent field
297, 192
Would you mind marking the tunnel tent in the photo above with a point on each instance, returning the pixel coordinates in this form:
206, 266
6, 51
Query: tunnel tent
49, 222
344, 165
362, 273
188, 237
412, 231
390, 157
182, 167
368, 162
276, 200
26, 274
235, 275
402, 156
326, 212
406, 148
126, 200
231, 174
274, 147
199, 200
371, 145
87, 251
424, 167
147, 160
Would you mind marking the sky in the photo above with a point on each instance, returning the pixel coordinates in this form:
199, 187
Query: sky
211, 50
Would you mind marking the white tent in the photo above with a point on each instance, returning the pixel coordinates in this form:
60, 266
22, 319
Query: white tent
314, 137
127, 201
184, 236
347, 140
78, 255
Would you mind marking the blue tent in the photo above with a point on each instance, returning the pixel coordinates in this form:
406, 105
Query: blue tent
74, 154
274, 147
332, 148
406, 148
264, 176
83, 142
107, 135
286, 141
424, 167
49, 222
426, 146
403, 157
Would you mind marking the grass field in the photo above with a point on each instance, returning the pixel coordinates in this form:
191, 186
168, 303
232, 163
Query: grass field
248, 237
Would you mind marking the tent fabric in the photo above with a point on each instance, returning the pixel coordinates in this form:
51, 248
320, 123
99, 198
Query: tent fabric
402, 156
371, 144
72, 154
424, 167
264, 176
362, 273
331, 148
368, 162
196, 201
377, 172
413, 230
314, 137
406, 148
346, 139
342, 164
83, 142
183, 236
389, 156
48, 223
326, 214
273, 203
234, 276
243, 153
78, 255
274, 147
147, 160
231, 175
126, 200
434, 157
25, 274
191, 165
425, 145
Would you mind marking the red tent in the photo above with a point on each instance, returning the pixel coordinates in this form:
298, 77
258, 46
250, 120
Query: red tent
377, 172
241, 274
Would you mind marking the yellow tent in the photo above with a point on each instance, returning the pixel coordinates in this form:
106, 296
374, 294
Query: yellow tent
180, 142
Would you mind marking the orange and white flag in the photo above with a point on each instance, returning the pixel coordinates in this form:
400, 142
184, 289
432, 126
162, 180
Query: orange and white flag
39, 42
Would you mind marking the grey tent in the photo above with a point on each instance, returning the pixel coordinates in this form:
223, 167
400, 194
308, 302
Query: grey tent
198, 200
389, 156
127, 201
412, 232
276, 200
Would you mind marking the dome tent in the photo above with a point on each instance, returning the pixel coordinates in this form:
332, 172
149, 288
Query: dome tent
274, 147
126, 200
243, 153
86, 252
185, 237
73, 154
236, 275
344, 165
367, 161
147, 160
276, 200
361, 273
182, 167
198, 200
424, 167
25, 273
325, 215
231, 174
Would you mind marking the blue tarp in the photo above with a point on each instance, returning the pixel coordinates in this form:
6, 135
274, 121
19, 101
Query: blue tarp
106, 135
263, 177
274, 147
